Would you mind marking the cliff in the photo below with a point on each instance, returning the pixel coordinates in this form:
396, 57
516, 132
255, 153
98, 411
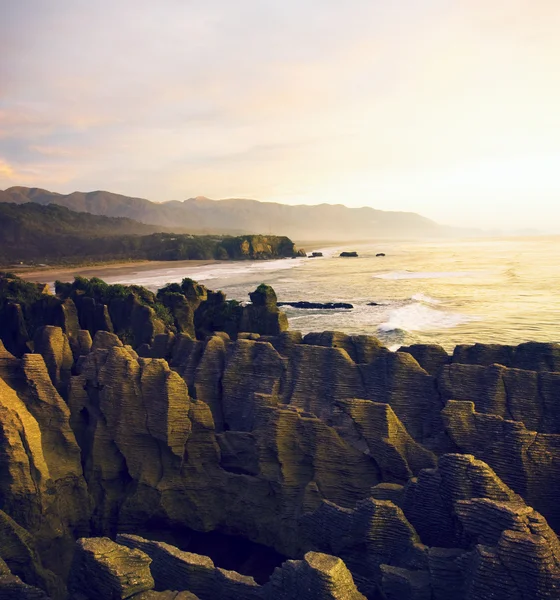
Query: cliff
54, 234
266, 464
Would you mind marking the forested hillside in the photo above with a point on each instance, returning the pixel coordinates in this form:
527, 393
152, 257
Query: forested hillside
32, 233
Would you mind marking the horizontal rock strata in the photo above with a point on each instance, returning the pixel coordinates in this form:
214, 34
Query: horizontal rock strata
414, 474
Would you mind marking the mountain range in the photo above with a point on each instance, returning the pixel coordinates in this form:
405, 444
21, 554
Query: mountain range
241, 216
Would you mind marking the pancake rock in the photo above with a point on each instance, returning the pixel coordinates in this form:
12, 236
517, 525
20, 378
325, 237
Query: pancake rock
378, 474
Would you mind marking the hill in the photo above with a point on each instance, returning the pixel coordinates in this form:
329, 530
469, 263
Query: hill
237, 215
55, 234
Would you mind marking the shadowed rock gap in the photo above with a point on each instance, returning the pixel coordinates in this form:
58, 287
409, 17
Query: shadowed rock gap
230, 552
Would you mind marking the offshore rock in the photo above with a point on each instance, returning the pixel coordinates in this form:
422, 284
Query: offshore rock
317, 305
104, 569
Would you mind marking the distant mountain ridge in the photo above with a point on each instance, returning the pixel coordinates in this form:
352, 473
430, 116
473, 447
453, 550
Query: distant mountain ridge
237, 215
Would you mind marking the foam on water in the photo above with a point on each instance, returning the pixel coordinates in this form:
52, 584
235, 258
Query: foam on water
426, 274
157, 279
421, 297
418, 317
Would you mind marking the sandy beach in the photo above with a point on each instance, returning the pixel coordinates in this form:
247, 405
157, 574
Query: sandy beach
47, 275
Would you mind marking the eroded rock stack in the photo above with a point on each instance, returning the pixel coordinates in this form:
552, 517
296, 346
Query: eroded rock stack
408, 475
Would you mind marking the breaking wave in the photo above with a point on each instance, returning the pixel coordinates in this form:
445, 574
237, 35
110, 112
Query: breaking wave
419, 317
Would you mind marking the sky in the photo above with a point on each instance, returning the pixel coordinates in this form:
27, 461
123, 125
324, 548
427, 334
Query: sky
448, 108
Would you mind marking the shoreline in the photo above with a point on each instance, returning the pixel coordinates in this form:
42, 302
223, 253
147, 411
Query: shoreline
49, 274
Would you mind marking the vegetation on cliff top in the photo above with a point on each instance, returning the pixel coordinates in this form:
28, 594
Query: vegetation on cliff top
54, 234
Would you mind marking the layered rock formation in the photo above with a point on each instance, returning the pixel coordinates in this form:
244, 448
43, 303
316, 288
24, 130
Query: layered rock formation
382, 475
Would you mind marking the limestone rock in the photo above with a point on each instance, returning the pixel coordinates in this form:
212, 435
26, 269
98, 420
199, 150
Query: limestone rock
285, 341
9, 364
104, 569
406, 584
531, 356
208, 378
251, 368
430, 357
484, 354
525, 460
13, 330
373, 533
69, 320
376, 426
13, 588
144, 324
60, 492
523, 562
52, 343
263, 315
429, 501
175, 569
317, 377
317, 577
167, 595
515, 394
103, 340
19, 558
397, 379
360, 348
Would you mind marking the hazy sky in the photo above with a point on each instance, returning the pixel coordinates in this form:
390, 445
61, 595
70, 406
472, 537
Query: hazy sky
450, 108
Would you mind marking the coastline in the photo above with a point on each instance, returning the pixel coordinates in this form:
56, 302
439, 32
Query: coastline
49, 274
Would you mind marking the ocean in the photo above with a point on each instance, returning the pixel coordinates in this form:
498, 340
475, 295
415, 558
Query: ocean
504, 291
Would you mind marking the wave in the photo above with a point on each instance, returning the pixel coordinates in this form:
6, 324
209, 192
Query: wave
419, 317
158, 278
421, 297
425, 274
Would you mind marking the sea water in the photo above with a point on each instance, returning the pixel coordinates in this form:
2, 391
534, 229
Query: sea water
503, 291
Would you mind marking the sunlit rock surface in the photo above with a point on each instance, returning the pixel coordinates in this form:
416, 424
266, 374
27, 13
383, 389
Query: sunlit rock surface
364, 473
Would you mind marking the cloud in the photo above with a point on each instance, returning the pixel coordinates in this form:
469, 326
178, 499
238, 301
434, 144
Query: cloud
371, 103
7, 172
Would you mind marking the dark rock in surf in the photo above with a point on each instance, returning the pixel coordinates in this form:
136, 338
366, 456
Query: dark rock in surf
318, 305
380, 254
349, 254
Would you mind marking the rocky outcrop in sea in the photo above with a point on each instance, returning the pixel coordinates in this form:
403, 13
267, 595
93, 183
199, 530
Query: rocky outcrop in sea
142, 461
